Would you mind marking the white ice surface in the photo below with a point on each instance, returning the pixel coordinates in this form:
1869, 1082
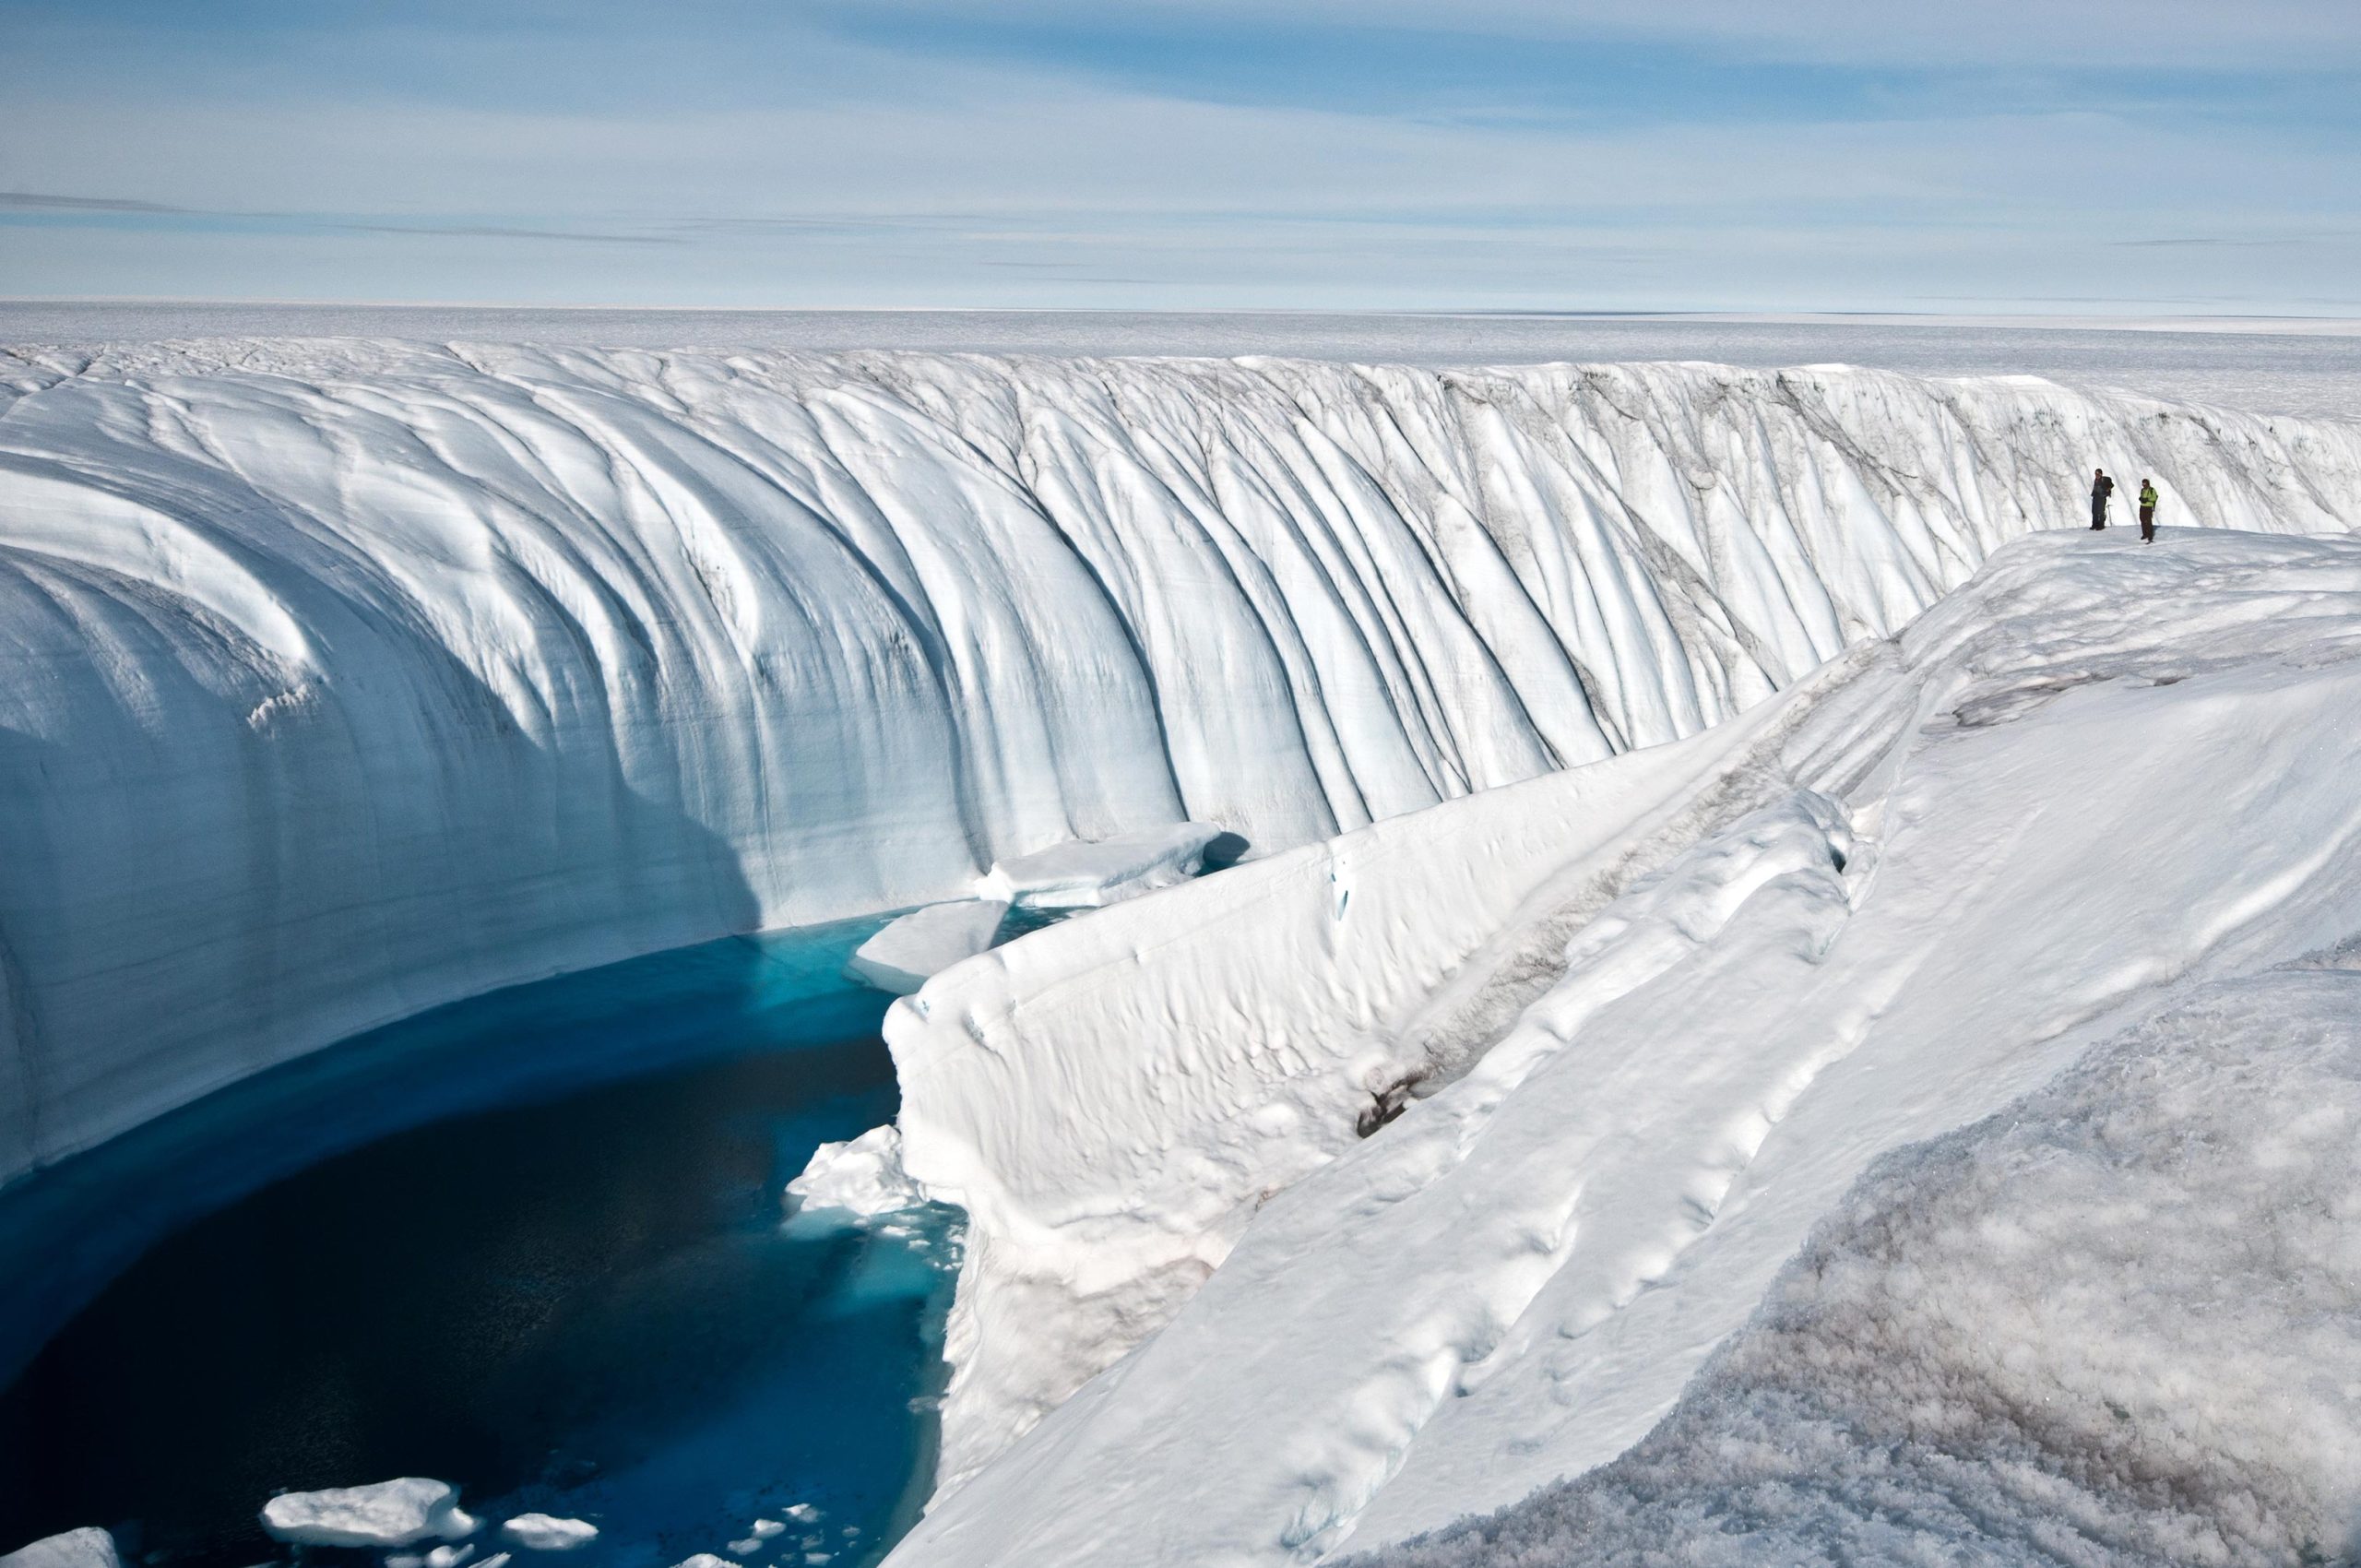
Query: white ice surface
543, 1532
339, 679
395, 1513
861, 1177
85, 1548
1912, 889
901, 957
2274, 365
1085, 874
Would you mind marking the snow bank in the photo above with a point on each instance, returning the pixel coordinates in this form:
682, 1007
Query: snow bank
863, 1177
395, 1513
1909, 891
2115, 1325
543, 1532
901, 957
1087, 874
339, 679
86, 1548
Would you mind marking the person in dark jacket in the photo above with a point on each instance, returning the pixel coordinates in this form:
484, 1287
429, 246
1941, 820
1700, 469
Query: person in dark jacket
2147, 511
2101, 487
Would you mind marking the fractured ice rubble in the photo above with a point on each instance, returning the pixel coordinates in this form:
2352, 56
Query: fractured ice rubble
1622, 1038
340, 679
862, 1178
1081, 874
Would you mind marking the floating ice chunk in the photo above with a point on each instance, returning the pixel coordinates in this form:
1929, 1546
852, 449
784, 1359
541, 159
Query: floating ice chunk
540, 1532
395, 1513
497, 1560
85, 1548
804, 1513
764, 1529
449, 1556
925, 942
746, 1547
863, 1177
405, 1559
705, 1560
1086, 873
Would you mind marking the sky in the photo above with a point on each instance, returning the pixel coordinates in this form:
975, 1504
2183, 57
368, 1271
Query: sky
2070, 157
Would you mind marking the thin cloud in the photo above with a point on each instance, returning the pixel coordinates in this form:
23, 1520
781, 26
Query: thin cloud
2194, 242
499, 232
33, 201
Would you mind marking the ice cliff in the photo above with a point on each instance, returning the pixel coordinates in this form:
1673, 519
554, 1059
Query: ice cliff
344, 678
1409, 1175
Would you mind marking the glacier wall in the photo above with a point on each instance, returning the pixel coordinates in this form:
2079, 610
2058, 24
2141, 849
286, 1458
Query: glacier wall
345, 678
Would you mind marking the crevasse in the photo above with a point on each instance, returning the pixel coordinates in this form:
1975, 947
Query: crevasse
344, 678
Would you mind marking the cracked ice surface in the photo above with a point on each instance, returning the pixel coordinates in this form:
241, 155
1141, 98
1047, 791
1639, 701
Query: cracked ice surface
344, 678
1664, 1010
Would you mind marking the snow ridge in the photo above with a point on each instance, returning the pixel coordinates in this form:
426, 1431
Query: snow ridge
344, 678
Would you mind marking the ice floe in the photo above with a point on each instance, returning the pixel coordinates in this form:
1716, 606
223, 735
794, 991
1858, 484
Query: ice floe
910, 948
384, 1513
542, 1532
85, 1548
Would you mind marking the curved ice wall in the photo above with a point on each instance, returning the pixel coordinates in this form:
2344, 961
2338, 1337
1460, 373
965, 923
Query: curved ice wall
338, 680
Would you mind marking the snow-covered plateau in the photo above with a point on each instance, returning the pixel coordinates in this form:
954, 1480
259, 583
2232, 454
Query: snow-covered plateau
1586, 1122
343, 678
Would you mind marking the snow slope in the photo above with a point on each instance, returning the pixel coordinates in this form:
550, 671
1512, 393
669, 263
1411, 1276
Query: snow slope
1662, 1023
2112, 1325
343, 678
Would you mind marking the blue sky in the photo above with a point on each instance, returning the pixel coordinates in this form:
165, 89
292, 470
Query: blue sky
2056, 155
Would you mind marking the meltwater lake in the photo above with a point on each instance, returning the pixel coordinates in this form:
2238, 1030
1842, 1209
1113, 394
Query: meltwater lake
531, 1245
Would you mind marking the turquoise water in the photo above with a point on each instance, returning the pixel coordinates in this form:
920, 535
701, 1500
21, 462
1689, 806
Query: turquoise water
531, 1244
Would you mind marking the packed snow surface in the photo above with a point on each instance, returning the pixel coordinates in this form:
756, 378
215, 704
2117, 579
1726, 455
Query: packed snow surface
901, 957
544, 1532
1644, 1024
395, 1513
85, 1548
2113, 1325
1084, 875
342, 678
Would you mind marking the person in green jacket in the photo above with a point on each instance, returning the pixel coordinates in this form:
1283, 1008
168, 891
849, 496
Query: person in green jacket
2147, 511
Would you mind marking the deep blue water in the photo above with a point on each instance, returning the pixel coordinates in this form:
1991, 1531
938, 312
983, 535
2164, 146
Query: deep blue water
530, 1243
